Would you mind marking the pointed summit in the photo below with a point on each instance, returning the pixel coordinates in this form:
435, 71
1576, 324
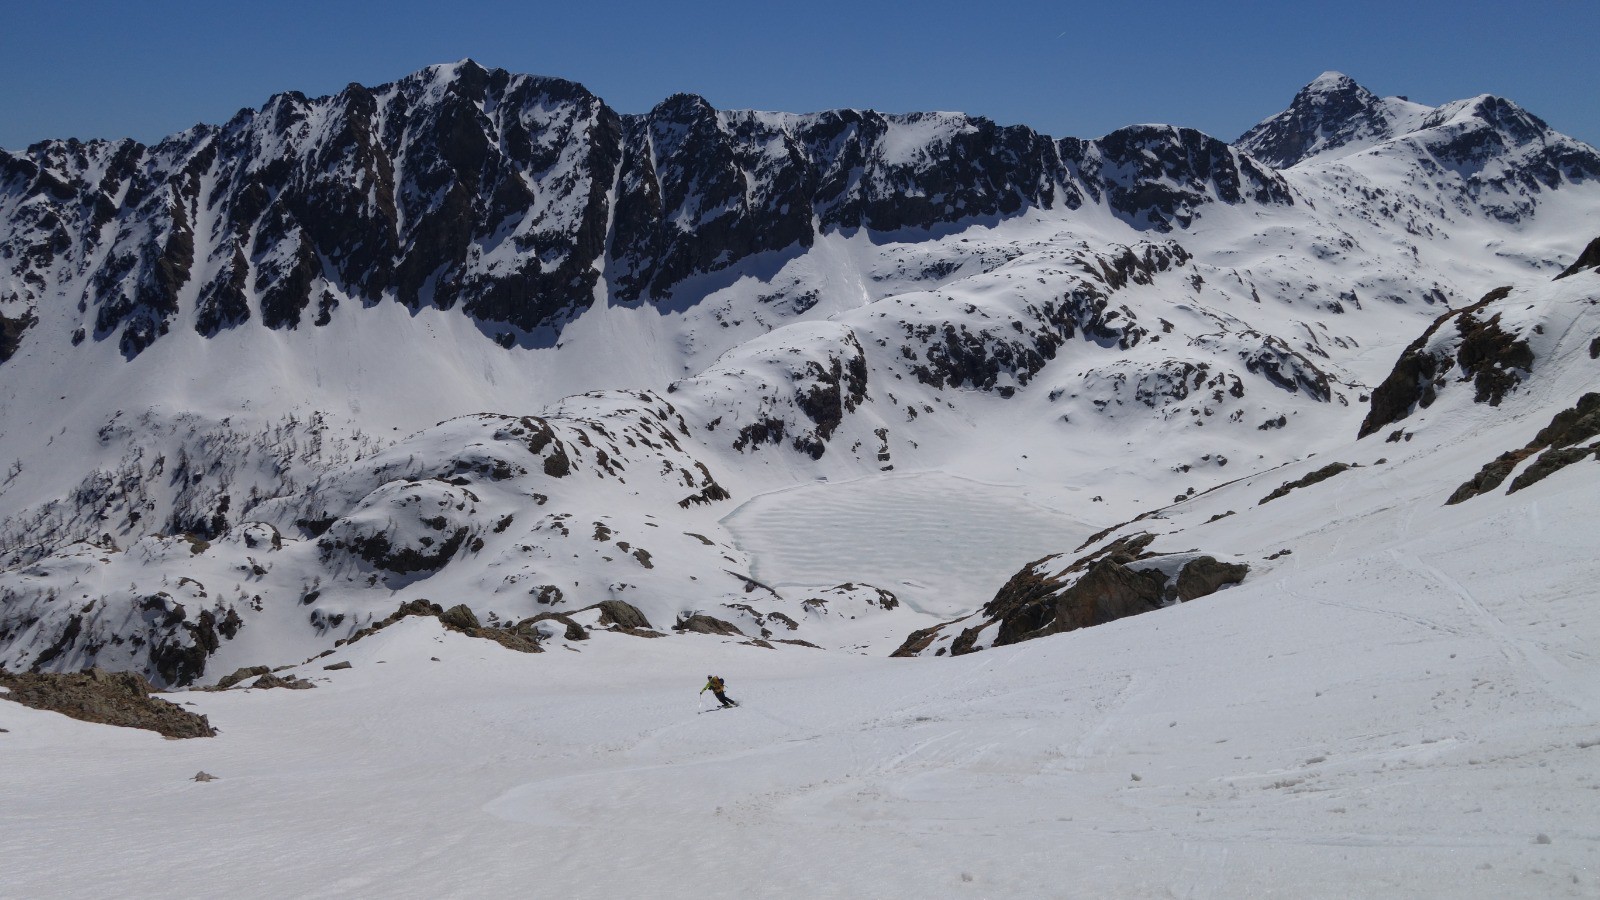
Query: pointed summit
1331, 81
1331, 112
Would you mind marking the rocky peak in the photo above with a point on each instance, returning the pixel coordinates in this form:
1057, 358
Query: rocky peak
1332, 111
1504, 156
682, 109
1514, 125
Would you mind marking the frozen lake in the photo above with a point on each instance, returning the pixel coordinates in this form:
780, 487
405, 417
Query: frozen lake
942, 543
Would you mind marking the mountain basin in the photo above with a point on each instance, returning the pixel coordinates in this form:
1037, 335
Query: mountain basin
942, 543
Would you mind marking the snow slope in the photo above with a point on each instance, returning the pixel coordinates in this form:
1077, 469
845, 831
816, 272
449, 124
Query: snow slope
1357, 723
1403, 705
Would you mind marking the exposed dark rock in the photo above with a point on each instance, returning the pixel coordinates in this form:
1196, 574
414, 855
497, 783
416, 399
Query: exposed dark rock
181, 662
292, 682
574, 631
1206, 575
1106, 592
1572, 426
109, 698
1487, 355
1491, 476
1550, 462
784, 620
520, 640
241, 674
11, 331
1288, 369
68, 636
378, 551
1118, 580
704, 624
343, 664
402, 191
516, 638
1491, 357
832, 393
621, 614
1558, 441
919, 640
459, 617
1161, 177
1588, 259
1326, 114
1320, 475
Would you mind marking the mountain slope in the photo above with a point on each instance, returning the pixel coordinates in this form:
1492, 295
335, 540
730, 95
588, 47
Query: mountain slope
736, 303
1516, 370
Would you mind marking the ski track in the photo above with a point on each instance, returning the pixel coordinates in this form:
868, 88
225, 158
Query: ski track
1551, 676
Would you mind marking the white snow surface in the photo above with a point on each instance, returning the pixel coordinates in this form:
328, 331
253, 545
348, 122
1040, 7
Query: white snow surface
1402, 715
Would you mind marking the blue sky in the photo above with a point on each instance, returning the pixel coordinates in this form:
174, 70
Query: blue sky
144, 70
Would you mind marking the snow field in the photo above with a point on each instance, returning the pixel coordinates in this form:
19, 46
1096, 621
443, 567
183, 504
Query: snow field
941, 543
1352, 724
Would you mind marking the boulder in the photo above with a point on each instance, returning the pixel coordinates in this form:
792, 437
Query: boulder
1206, 575
461, 617
620, 614
704, 624
239, 675
292, 682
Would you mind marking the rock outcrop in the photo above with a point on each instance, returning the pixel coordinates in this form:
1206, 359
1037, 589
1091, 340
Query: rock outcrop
1119, 580
108, 698
1476, 349
1557, 446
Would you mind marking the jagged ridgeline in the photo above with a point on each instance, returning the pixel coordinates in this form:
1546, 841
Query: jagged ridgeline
510, 196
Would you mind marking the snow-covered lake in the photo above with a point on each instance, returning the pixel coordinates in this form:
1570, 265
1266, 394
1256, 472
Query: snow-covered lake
943, 544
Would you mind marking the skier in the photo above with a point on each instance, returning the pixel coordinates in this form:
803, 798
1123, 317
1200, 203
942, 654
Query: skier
716, 687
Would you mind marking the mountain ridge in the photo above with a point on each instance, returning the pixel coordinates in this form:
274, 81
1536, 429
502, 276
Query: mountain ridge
271, 198
808, 299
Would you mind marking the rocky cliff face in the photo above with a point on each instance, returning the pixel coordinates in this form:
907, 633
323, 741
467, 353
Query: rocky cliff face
524, 200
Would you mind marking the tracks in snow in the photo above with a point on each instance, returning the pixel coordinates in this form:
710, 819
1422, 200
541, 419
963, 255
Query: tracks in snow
1551, 676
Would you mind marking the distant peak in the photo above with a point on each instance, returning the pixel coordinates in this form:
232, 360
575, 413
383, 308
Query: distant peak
683, 107
452, 69
1332, 111
1331, 80
1331, 83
